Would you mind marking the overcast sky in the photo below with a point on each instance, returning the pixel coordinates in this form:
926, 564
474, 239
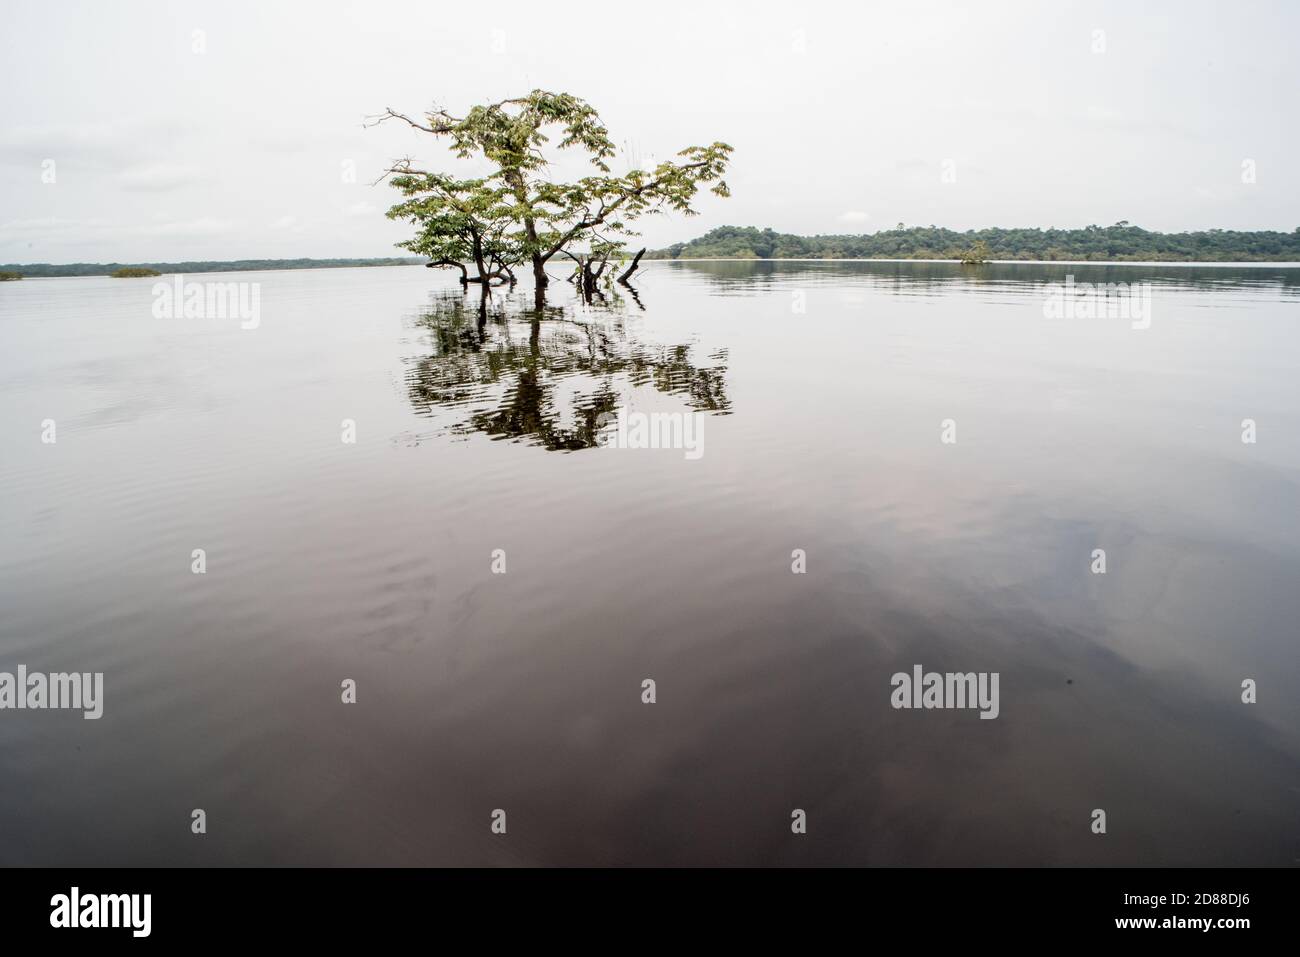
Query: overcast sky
233, 143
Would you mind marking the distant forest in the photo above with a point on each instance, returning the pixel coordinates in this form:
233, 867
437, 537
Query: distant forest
37, 270
1121, 242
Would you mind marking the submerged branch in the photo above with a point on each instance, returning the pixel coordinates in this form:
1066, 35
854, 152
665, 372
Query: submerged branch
632, 268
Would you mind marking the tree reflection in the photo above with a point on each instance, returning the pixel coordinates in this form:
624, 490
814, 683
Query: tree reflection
548, 374
742, 276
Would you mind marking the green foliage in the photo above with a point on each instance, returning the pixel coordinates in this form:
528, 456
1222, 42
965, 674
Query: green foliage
518, 212
510, 134
459, 221
1119, 243
134, 272
7, 276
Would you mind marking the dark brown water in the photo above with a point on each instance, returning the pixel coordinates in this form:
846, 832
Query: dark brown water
822, 389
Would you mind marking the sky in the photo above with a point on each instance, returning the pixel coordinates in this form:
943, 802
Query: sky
170, 131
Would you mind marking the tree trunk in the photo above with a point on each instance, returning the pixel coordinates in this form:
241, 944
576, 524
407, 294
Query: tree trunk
516, 183
483, 276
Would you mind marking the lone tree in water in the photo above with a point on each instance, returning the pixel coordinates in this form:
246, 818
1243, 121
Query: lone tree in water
530, 218
976, 255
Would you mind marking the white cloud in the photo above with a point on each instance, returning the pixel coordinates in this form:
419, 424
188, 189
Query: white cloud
63, 230
92, 145
203, 226
65, 141
159, 177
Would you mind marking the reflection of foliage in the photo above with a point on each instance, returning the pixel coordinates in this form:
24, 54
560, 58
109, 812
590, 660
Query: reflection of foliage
1120, 242
547, 377
754, 277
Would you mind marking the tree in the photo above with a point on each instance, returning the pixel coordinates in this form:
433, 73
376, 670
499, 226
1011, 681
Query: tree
460, 221
548, 217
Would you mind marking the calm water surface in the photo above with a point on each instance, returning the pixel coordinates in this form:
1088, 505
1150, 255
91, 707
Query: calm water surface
522, 691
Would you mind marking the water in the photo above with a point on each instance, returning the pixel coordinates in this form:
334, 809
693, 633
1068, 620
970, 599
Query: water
479, 691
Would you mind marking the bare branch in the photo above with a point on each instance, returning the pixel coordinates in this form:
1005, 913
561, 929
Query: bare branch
632, 268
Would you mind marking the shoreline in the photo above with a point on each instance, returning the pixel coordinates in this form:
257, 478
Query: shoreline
1288, 264
1184, 263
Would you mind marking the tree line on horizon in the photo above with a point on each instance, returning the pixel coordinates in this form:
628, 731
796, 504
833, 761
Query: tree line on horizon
1120, 242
